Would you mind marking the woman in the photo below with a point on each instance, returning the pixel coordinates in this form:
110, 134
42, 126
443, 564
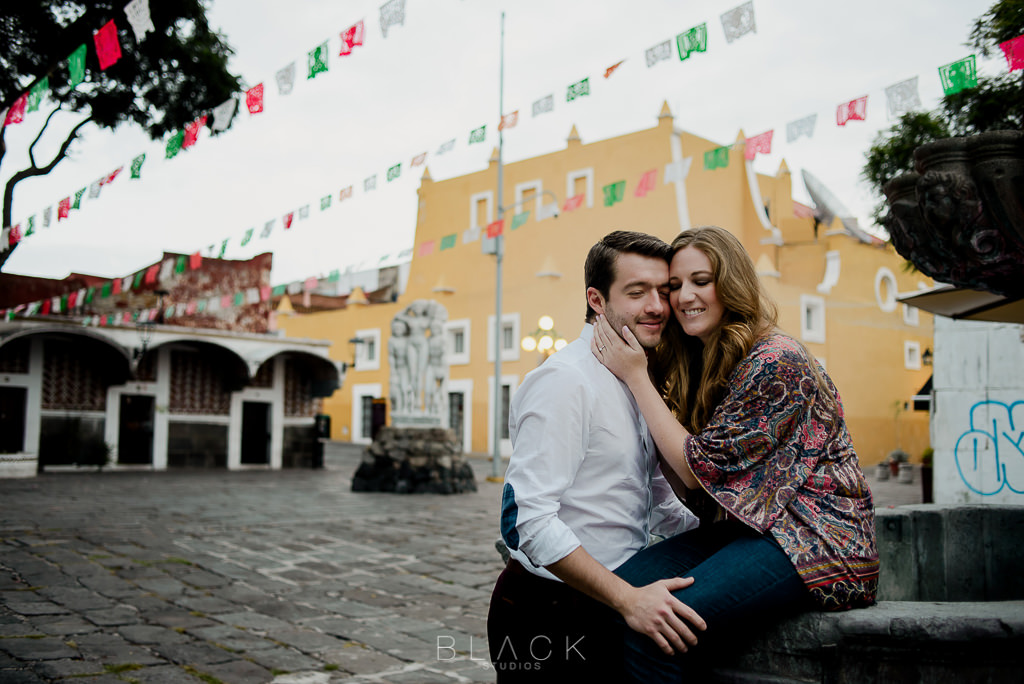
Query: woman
751, 425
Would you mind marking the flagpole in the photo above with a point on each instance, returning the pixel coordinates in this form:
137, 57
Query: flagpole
499, 249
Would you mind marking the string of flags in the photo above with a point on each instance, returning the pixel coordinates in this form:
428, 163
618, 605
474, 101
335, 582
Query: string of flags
736, 23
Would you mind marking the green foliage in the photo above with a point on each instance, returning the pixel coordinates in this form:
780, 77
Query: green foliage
162, 82
892, 153
996, 103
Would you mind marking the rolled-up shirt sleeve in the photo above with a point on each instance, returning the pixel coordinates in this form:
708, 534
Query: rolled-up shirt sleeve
549, 426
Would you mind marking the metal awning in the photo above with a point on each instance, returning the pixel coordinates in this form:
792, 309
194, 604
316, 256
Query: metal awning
964, 304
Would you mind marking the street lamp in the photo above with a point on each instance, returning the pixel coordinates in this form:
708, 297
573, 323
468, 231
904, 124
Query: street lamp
144, 329
545, 339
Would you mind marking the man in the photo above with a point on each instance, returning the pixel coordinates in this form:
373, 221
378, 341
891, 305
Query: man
583, 492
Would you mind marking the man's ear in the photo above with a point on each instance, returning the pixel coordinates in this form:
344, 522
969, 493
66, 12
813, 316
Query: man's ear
595, 299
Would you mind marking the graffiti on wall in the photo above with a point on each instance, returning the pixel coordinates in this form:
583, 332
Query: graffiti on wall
990, 454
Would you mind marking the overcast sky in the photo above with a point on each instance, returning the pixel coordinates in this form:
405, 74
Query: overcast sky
436, 78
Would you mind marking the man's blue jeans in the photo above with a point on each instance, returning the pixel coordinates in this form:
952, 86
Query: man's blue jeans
742, 580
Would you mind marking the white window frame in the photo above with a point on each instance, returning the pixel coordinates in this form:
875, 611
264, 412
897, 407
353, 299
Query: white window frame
466, 388
888, 304
487, 195
570, 184
372, 390
833, 264
364, 360
911, 315
513, 382
458, 325
816, 305
911, 355
538, 187
509, 354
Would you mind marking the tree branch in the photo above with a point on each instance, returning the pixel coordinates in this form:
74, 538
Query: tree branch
37, 171
32, 147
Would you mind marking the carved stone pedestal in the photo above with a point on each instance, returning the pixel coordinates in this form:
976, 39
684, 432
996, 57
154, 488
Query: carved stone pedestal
409, 460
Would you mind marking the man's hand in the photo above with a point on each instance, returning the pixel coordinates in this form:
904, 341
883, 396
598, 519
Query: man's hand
654, 611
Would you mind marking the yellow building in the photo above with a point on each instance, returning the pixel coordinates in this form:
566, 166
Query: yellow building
834, 285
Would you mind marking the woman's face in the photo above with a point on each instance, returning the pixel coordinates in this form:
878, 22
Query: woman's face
692, 293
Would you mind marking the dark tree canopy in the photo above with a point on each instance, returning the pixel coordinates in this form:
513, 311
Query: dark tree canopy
996, 103
168, 79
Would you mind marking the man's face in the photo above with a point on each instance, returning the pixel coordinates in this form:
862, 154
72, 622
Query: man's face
637, 298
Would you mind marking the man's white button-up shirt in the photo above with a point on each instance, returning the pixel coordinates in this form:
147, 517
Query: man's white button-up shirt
584, 469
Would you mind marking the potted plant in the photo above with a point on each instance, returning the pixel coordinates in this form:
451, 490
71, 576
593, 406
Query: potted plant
897, 457
926, 475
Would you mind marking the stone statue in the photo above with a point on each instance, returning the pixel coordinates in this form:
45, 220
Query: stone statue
400, 386
419, 369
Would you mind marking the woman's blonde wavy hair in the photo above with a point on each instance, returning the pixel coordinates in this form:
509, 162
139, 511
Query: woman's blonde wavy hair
693, 376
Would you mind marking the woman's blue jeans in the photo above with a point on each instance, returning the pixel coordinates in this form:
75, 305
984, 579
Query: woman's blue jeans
742, 580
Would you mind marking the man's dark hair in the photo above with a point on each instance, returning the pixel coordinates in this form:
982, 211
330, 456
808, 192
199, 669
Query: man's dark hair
599, 269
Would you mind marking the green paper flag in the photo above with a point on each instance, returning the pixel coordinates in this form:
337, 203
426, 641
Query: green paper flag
578, 90
478, 134
179, 265
694, 40
89, 294
38, 92
31, 228
138, 279
519, 219
717, 158
325, 202
169, 311
614, 192
279, 290
201, 306
105, 291
317, 60
78, 199
394, 172
174, 144
76, 65
447, 242
239, 298
334, 276
959, 75
137, 165
223, 248
248, 236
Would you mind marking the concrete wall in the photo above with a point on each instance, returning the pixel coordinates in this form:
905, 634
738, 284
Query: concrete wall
977, 425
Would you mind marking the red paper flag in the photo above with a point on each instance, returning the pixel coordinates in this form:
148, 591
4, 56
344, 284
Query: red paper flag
496, 228
254, 99
345, 193
509, 120
351, 37
46, 307
311, 284
225, 302
151, 274
759, 143
108, 48
647, 183
110, 178
612, 68
1013, 50
195, 260
16, 114
419, 159
192, 132
15, 237
116, 286
72, 300
64, 208
573, 203
426, 248
265, 293
852, 110
288, 219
